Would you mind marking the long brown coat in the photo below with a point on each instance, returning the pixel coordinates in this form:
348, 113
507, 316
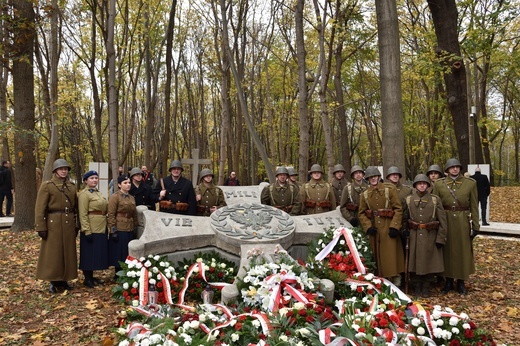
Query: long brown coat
317, 191
122, 213
351, 194
55, 210
458, 251
388, 251
425, 257
338, 186
211, 196
282, 196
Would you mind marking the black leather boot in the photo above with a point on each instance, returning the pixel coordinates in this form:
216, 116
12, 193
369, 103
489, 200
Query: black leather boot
65, 285
89, 278
461, 288
426, 289
448, 286
53, 287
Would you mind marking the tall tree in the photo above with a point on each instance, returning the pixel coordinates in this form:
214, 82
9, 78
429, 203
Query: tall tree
390, 76
23, 88
112, 89
444, 16
4, 77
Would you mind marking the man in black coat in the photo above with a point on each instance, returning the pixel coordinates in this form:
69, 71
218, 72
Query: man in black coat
141, 191
175, 193
6, 189
484, 190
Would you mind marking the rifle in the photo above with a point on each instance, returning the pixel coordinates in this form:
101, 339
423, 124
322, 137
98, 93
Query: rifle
406, 260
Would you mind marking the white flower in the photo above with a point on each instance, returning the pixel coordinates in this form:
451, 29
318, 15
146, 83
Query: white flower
135, 284
222, 265
152, 281
416, 322
125, 285
369, 276
283, 311
147, 264
360, 336
342, 242
256, 323
420, 331
303, 331
171, 332
298, 306
235, 337
466, 326
157, 257
139, 265
196, 269
155, 270
124, 343
121, 331
436, 314
454, 321
455, 330
186, 337
199, 260
440, 323
284, 338
194, 324
155, 338
213, 264
464, 316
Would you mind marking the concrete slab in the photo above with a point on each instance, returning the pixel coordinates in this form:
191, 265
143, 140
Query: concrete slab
501, 228
6, 222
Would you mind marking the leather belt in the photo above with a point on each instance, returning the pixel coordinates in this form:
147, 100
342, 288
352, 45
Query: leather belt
454, 208
64, 211
127, 215
96, 212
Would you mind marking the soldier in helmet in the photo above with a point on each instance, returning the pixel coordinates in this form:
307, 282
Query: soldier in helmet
55, 216
293, 177
141, 191
281, 194
394, 176
459, 197
209, 197
380, 215
350, 196
175, 193
427, 226
434, 172
317, 195
339, 181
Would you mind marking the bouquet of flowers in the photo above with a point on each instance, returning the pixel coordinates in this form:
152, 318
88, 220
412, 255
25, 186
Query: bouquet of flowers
207, 268
151, 270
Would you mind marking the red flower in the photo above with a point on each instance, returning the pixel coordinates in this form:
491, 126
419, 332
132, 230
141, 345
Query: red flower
125, 294
221, 275
159, 284
133, 290
302, 312
211, 270
238, 326
309, 319
454, 342
468, 333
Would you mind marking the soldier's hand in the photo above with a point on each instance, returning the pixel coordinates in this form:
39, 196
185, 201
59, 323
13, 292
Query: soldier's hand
439, 245
43, 234
393, 232
372, 231
354, 222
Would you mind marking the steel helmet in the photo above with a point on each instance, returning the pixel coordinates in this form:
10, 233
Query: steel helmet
175, 164
292, 171
355, 169
59, 163
452, 163
339, 168
421, 178
206, 172
135, 170
281, 170
435, 168
372, 171
394, 170
316, 168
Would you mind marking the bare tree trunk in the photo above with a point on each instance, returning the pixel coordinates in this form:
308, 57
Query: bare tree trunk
390, 77
52, 151
344, 148
444, 15
150, 104
4, 77
303, 151
23, 90
112, 90
241, 97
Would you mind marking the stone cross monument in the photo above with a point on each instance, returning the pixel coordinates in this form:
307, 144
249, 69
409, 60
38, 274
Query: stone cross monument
195, 162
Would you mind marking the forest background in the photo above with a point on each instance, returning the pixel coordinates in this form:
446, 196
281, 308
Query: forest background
256, 84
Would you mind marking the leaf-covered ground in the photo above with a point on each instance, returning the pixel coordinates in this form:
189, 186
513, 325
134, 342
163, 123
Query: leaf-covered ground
30, 315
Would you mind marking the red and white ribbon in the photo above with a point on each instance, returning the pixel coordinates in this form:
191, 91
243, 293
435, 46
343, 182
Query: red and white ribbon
282, 282
347, 234
202, 274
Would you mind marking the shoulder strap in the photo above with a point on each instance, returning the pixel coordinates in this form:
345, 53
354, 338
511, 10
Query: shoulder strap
387, 197
434, 200
365, 194
453, 194
408, 198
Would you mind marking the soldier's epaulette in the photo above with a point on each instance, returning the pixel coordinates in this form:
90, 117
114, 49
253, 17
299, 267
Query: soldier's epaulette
49, 181
390, 185
470, 178
440, 179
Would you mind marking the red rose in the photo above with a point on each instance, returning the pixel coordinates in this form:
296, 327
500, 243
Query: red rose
309, 319
454, 342
133, 290
125, 294
383, 322
302, 312
238, 326
221, 275
359, 289
159, 284
468, 333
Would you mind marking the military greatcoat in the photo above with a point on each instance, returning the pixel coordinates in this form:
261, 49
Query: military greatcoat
460, 211
388, 251
337, 186
425, 258
317, 192
122, 215
211, 196
284, 197
56, 206
351, 195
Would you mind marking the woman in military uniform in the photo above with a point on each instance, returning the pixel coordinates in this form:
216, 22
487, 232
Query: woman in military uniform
380, 215
209, 197
55, 216
427, 227
122, 221
317, 195
93, 244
